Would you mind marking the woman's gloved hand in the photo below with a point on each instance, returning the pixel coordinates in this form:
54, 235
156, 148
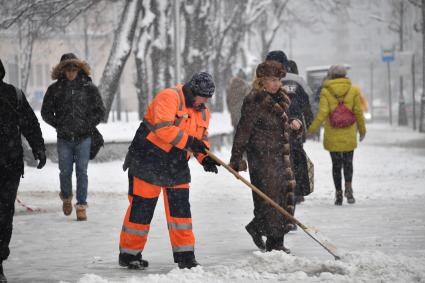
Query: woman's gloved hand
238, 165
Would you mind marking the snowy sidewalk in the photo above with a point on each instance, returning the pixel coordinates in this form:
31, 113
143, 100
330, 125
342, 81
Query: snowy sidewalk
382, 236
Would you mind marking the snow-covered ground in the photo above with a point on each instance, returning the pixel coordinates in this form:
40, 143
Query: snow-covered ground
381, 238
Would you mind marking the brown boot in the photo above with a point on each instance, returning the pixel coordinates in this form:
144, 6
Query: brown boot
349, 193
66, 204
81, 212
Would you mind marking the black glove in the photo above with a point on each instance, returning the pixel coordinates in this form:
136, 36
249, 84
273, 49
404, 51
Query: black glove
210, 165
41, 156
126, 163
238, 165
198, 146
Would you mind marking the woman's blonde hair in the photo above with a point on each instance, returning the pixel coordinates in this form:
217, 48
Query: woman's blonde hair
258, 83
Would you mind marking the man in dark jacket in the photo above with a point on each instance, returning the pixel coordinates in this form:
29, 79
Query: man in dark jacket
73, 106
300, 110
16, 118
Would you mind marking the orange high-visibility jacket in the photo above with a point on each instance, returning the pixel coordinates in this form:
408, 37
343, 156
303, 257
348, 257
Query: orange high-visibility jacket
157, 153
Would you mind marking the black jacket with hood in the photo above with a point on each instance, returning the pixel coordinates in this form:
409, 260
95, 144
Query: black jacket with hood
75, 107
16, 118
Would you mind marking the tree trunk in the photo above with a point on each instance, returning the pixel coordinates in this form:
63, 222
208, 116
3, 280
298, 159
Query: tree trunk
26, 44
195, 53
168, 52
121, 48
142, 81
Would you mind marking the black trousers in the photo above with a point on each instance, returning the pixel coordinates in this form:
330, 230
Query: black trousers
342, 160
300, 169
9, 182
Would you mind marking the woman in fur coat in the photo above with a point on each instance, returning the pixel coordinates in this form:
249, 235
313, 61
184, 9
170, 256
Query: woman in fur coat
263, 133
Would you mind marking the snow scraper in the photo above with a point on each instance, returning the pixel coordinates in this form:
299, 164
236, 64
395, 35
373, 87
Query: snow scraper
314, 234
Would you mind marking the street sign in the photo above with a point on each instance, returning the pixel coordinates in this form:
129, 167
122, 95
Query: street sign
388, 55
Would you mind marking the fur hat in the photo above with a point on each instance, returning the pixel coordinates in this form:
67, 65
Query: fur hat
279, 56
270, 69
66, 60
337, 71
202, 84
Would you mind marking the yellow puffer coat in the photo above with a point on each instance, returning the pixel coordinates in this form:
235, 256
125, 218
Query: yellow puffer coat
339, 139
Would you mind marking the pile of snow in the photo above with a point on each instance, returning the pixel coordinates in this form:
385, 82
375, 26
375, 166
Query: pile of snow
281, 267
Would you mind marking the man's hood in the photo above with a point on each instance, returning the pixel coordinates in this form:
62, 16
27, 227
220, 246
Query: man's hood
2, 71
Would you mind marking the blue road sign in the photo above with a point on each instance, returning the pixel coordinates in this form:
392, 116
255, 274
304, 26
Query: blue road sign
388, 55
387, 58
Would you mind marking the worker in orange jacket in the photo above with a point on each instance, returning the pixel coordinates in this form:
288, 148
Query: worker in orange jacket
174, 126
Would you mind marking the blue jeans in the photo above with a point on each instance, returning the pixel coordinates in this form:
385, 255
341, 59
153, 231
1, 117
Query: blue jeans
68, 152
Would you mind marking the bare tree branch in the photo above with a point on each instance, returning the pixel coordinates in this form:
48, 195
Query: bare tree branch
416, 3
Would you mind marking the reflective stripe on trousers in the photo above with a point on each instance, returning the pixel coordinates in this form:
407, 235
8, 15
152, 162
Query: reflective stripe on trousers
139, 215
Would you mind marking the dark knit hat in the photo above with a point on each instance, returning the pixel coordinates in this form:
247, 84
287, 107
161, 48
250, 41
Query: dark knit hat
68, 56
270, 69
279, 56
202, 84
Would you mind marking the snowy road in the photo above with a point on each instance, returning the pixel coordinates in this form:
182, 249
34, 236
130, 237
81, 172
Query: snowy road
381, 237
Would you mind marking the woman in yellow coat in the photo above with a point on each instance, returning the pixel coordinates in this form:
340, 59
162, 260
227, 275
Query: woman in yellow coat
340, 142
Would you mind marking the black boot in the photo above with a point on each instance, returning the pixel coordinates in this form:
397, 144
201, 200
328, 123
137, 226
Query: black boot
338, 197
276, 244
187, 263
2, 277
289, 227
349, 193
256, 235
132, 261
299, 199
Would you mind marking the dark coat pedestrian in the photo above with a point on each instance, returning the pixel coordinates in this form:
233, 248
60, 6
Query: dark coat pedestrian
16, 118
299, 109
263, 133
73, 106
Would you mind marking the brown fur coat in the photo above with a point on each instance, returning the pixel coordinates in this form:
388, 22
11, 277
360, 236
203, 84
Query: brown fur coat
263, 133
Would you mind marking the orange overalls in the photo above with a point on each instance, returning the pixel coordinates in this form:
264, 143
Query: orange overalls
157, 154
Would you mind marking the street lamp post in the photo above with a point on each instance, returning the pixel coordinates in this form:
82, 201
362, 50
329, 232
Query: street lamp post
389, 94
413, 92
398, 28
388, 57
402, 114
